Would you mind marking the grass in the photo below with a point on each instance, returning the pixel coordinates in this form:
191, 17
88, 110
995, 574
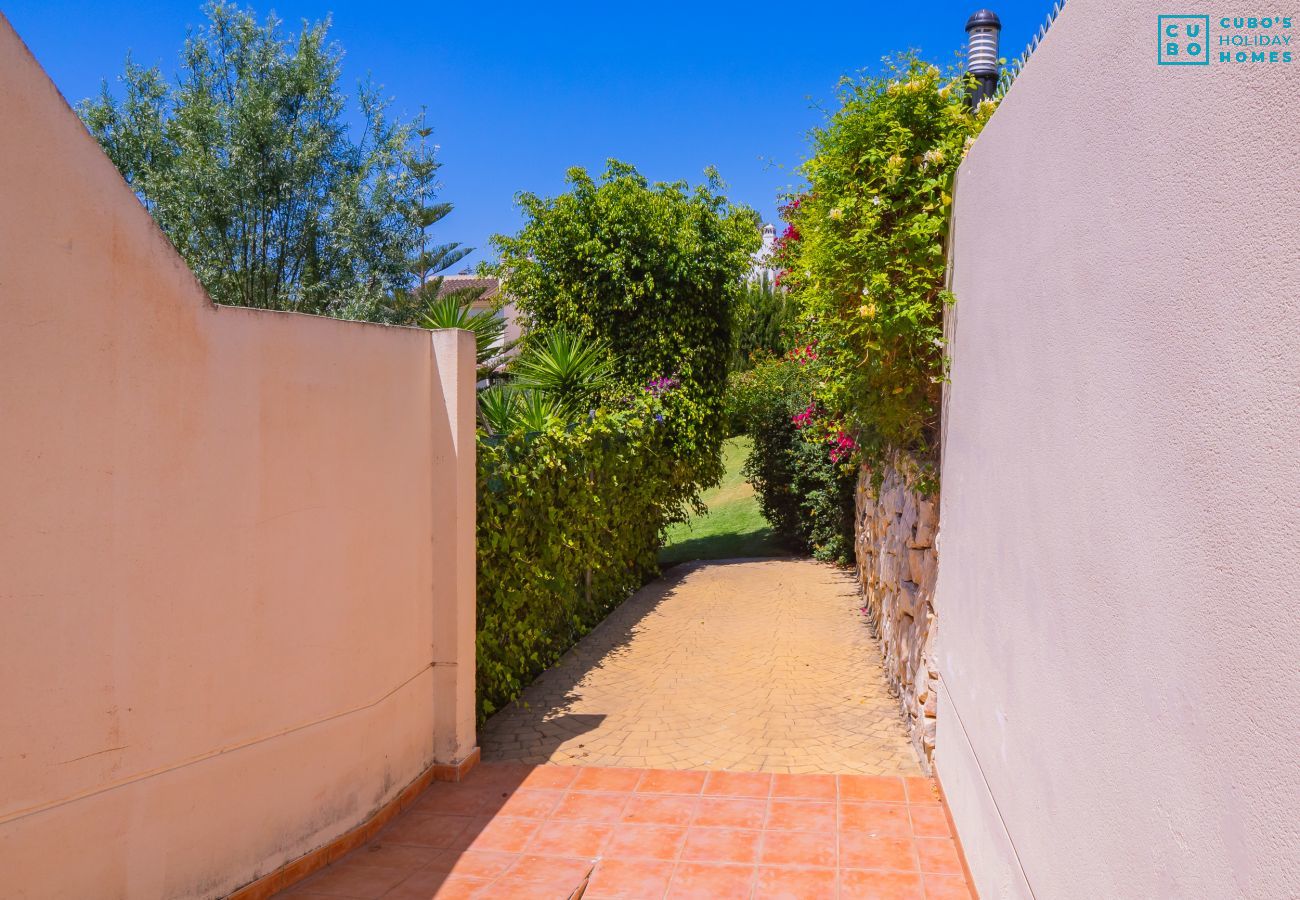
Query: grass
733, 526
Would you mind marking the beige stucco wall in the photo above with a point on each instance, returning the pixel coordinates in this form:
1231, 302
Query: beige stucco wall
233, 545
1119, 583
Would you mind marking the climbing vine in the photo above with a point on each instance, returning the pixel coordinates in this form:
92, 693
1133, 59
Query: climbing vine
864, 251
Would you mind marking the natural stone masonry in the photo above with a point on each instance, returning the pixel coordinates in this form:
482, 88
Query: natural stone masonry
747, 665
898, 561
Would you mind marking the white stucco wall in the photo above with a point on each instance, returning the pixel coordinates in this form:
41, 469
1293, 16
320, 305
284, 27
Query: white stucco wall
1119, 582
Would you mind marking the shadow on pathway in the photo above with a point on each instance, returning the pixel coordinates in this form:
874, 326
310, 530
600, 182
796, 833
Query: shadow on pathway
747, 665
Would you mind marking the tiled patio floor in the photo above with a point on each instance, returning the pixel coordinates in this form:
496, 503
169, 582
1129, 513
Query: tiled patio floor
750, 665
515, 831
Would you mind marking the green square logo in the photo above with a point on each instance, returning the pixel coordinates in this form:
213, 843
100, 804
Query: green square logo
1183, 40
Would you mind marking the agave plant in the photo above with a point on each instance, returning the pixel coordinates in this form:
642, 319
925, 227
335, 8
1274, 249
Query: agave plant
568, 368
454, 311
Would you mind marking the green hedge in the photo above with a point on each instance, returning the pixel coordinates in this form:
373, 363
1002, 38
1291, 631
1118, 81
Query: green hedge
569, 523
799, 465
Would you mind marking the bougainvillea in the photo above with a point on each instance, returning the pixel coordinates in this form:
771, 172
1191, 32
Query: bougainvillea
864, 252
798, 465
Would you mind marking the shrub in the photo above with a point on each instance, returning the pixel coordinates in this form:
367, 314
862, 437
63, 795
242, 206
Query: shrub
800, 464
652, 270
763, 324
864, 253
569, 524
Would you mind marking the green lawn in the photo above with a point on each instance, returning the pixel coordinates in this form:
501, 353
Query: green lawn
733, 526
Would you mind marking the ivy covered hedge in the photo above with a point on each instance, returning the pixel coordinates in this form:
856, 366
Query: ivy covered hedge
569, 521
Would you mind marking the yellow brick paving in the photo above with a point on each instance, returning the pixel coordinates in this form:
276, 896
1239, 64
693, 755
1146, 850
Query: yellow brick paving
747, 665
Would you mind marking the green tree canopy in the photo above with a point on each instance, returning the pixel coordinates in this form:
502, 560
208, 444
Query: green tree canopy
250, 168
651, 270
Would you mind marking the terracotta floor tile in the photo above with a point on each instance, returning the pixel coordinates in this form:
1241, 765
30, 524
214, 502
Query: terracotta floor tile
428, 884
606, 779
730, 813
620, 879
875, 818
507, 888
706, 881
667, 781
426, 830
472, 863
865, 851
862, 885
930, 821
798, 848
347, 879
738, 784
525, 803
947, 887
804, 787
721, 845
556, 777
658, 809
503, 775
921, 790
577, 839
801, 815
560, 870
788, 883
393, 856
502, 835
455, 799
874, 788
645, 841
591, 807
938, 855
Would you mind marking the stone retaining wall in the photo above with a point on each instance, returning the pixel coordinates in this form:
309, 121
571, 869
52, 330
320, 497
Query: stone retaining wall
895, 535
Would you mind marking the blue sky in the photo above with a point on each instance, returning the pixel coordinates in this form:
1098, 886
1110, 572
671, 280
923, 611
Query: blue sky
517, 93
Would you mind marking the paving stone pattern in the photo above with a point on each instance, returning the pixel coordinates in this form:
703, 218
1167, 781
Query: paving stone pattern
550, 832
747, 665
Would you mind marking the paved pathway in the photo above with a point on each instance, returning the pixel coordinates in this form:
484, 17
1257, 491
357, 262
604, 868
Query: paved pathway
724, 734
512, 832
746, 665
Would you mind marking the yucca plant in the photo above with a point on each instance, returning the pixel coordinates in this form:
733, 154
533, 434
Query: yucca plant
572, 370
454, 311
537, 411
504, 408
498, 408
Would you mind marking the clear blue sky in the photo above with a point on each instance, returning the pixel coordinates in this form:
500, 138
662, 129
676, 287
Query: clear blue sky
520, 92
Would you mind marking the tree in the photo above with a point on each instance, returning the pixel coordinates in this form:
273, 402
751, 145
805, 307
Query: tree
249, 167
764, 323
420, 303
652, 271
